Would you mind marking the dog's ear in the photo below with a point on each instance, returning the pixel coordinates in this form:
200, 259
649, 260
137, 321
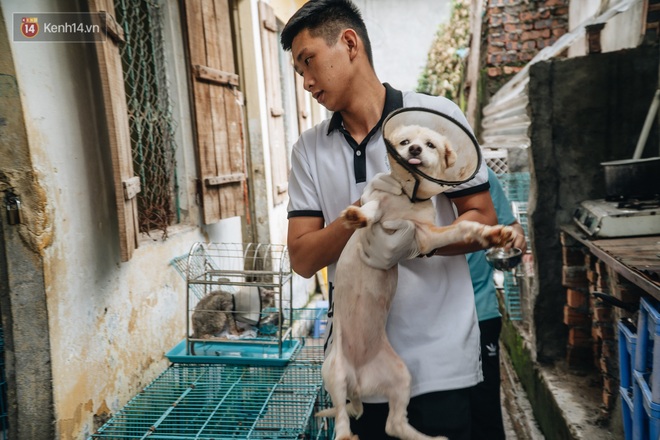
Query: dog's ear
450, 155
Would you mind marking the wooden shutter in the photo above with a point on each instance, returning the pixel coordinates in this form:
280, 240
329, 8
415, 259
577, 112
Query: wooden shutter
278, 152
114, 97
218, 110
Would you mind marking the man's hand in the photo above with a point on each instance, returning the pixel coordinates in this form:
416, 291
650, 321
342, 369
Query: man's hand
519, 237
384, 245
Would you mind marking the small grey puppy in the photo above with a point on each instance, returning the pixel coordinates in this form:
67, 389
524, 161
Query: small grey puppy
213, 314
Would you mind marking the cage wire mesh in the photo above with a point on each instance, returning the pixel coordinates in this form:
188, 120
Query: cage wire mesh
253, 279
516, 188
221, 401
149, 112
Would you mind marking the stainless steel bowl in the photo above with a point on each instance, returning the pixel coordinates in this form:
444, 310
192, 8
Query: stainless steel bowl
504, 259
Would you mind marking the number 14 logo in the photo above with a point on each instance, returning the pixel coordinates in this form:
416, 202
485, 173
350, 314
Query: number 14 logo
29, 27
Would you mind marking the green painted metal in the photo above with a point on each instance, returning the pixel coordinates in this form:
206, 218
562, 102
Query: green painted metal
222, 401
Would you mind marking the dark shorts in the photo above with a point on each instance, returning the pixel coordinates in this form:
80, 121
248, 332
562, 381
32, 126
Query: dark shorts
440, 413
485, 400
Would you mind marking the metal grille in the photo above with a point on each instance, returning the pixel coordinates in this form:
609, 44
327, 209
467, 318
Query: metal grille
497, 160
149, 112
220, 401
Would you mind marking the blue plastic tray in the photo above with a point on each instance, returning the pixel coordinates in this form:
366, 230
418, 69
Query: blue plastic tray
249, 353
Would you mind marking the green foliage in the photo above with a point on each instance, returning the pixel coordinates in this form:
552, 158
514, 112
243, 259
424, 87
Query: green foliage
445, 64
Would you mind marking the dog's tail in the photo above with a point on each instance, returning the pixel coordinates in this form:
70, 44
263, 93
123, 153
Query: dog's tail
330, 412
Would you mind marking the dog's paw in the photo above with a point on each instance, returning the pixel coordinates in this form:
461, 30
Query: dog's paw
498, 235
353, 218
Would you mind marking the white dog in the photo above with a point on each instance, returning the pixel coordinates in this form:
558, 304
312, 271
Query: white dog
361, 362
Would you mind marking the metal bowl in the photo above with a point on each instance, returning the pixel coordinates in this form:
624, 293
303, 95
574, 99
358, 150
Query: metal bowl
504, 259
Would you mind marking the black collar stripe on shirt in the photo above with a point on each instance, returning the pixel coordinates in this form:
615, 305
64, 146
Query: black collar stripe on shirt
393, 101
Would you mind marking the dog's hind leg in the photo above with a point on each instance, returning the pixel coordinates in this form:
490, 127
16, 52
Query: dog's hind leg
392, 378
334, 372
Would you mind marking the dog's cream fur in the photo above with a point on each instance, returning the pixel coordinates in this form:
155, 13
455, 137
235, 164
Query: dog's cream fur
361, 362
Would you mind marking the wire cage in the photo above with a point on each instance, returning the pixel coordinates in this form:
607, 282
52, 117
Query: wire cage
516, 188
238, 294
226, 401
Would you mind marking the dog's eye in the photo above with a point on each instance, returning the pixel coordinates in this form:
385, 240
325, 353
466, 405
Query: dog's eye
404, 142
430, 145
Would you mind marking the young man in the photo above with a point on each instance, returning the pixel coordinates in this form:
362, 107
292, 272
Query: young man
485, 400
432, 323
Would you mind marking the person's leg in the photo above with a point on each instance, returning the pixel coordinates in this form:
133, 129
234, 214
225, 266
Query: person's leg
371, 425
486, 406
441, 413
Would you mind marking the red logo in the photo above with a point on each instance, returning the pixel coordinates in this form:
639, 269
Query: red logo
29, 27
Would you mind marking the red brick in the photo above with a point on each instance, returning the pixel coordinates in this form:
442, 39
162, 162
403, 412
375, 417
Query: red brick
494, 71
576, 298
609, 399
576, 317
510, 70
602, 314
579, 337
574, 276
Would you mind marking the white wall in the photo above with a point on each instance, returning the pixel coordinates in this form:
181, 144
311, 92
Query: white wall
110, 322
401, 34
623, 31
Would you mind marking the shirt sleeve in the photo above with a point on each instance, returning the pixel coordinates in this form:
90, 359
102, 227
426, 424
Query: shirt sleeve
303, 196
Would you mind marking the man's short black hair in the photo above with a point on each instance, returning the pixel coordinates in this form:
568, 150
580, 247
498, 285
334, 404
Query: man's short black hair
326, 19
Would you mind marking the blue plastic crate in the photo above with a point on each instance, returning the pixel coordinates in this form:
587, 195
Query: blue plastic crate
627, 412
647, 359
516, 186
321, 319
646, 413
627, 345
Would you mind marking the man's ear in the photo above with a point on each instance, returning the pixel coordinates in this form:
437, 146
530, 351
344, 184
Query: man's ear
350, 38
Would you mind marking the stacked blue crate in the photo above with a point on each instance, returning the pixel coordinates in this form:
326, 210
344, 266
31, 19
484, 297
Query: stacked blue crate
627, 344
646, 373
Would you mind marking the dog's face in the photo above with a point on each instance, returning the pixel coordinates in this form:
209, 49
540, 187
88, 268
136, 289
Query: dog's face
423, 148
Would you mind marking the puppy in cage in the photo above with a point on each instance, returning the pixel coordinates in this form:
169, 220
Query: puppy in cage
216, 314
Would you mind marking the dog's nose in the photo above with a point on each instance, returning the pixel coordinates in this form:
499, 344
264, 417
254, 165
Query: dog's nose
415, 150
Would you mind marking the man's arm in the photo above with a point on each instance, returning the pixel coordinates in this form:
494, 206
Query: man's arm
476, 207
312, 246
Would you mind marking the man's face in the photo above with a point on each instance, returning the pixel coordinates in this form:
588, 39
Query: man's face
325, 69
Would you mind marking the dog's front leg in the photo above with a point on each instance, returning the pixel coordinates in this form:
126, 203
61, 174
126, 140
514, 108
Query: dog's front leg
356, 217
430, 237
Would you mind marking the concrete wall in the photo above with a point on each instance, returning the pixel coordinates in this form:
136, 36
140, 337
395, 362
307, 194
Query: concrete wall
584, 110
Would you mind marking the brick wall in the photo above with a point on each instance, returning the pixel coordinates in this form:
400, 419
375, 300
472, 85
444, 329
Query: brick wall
514, 31
591, 320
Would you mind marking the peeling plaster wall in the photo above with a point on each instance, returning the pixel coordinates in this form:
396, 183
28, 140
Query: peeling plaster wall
110, 323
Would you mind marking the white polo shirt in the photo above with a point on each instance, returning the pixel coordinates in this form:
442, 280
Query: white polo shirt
432, 323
